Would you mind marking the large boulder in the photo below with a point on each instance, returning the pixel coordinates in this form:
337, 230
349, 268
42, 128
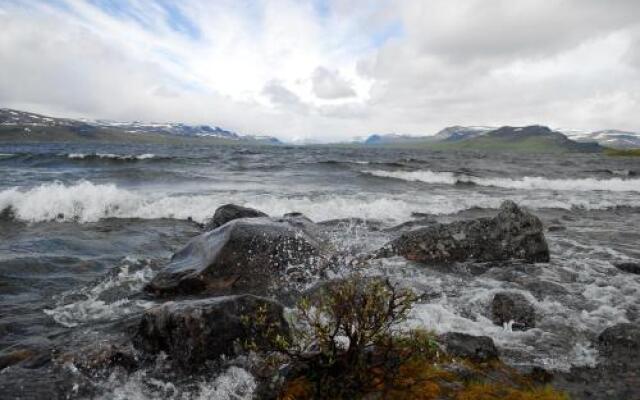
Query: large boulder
476, 348
194, 331
620, 344
512, 234
229, 212
243, 256
511, 306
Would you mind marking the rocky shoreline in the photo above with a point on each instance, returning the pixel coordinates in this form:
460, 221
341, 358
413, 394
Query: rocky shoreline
224, 296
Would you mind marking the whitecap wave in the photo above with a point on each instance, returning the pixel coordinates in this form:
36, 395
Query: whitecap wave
85, 201
108, 156
524, 183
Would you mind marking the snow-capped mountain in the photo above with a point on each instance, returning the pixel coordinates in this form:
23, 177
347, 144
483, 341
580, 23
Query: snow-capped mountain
172, 128
27, 121
456, 133
609, 138
449, 134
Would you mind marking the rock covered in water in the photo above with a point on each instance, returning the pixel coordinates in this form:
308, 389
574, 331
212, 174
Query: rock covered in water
512, 234
511, 306
229, 212
476, 348
617, 375
620, 344
243, 256
194, 331
630, 267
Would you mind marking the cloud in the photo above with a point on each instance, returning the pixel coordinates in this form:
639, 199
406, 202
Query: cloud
330, 70
279, 95
330, 85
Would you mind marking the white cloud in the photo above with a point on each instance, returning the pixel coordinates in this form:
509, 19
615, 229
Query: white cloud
288, 68
330, 85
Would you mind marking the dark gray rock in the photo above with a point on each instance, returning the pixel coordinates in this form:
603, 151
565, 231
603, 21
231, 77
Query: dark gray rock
511, 306
617, 375
620, 344
476, 348
229, 212
194, 331
630, 267
248, 255
512, 234
542, 288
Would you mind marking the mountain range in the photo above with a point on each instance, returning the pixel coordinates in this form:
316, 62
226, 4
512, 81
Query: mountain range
27, 126
527, 138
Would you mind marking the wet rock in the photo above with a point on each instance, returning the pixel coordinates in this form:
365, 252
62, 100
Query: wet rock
512, 234
9, 358
630, 267
620, 344
31, 353
371, 224
242, 256
617, 376
103, 357
511, 306
194, 331
542, 288
7, 214
476, 348
229, 212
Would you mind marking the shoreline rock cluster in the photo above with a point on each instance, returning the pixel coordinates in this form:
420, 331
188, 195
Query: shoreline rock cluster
246, 264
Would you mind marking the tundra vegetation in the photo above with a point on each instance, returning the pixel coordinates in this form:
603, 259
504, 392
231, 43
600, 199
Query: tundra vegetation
347, 342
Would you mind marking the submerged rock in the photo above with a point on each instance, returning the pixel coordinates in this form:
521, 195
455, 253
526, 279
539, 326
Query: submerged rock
194, 331
476, 348
511, 306
229, 212
242, 256
512, 234
630, 267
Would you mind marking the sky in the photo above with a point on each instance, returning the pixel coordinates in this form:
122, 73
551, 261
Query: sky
326, 70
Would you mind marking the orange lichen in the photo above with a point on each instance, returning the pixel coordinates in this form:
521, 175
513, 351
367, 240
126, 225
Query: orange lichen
298, 389
491, 391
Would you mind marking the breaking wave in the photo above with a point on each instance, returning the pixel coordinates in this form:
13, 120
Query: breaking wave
107, 156
524, 183
85, 201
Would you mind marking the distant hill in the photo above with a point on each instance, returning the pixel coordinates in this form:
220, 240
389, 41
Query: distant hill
26, 126
392, 138
612, 138
458, 133
450, 134
533, 138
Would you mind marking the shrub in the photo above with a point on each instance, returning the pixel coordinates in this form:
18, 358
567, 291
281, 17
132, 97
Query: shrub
344, 344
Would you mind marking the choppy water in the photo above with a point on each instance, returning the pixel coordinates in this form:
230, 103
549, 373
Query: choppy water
91, 224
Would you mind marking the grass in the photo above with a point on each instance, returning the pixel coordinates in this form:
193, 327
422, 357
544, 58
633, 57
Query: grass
622, 152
